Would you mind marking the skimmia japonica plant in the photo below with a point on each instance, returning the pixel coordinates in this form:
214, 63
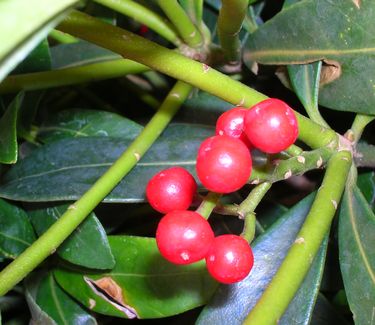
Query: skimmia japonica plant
203, 162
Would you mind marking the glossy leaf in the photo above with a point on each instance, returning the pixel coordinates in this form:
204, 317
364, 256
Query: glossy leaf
65, 169
8, 132
84, 122
357, 254
81, 53
366, 183
27, 27
56, 305
337, 32
142, 284
231, 304
16, 231
87, 246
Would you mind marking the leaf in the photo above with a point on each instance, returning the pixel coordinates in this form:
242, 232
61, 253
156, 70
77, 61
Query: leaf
85, 122
231, 304
16, 232
339, 33
142, 284
8, 132
357, 254
57, 306
325, 313
78, 54
87, 246
366, 183
39, 59
65, 169
27, 27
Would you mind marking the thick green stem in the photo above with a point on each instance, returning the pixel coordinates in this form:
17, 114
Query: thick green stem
61, 37
296, 264
177, 15
70, 76
359, 124
180, 67
208, 204
194, 9
145, 16
231, 16
77, 212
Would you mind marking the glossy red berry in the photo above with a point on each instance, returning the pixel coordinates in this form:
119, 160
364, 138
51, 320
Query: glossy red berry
184, 237
223, 164
230, 259
271, 126
171, 189
231, 123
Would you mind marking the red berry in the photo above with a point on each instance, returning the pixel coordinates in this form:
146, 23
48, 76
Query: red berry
230, 259
231, 123
223, 164
184, 237
171, 189
271, 126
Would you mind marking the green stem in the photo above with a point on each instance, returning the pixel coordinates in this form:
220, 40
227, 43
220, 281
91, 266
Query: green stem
180, 67
248, 206
61, 37
177, 15
294, 150
70, 76
208, 204
231, 16
77, 212
296, 264
359, 124
144, 16
194, 9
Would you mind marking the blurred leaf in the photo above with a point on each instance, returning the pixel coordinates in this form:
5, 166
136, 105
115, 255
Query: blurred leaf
142, 284
65, 169
325, 314
337, 33
366, 183
365, 154
84, 122
28, 22
39, 59
87, 246
81, 53
357, 254
272, 212
16, 232
232, 303
8, 132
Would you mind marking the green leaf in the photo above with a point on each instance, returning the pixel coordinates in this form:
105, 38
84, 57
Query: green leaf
38, 60
65, 169
231, 304
8, 132
87, 246
84, 123
57, 306
78, 54
142, 284
28, 22
16, 232
325, 313
366, 183
337, 32
357, 254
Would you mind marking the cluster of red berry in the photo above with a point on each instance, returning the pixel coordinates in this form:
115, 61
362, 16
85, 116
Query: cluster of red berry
223, 165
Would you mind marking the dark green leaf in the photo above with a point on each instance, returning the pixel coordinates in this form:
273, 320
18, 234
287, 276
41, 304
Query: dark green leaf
366, 183
142, 284
81, 53
87, 246
27, 27
16, 232
84, 122
365, 155
325, 313
232, 303
65, 169
8, 132
357, 254
338, 32
38, 60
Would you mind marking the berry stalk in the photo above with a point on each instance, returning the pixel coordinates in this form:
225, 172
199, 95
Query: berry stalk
46, 244
296, 264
